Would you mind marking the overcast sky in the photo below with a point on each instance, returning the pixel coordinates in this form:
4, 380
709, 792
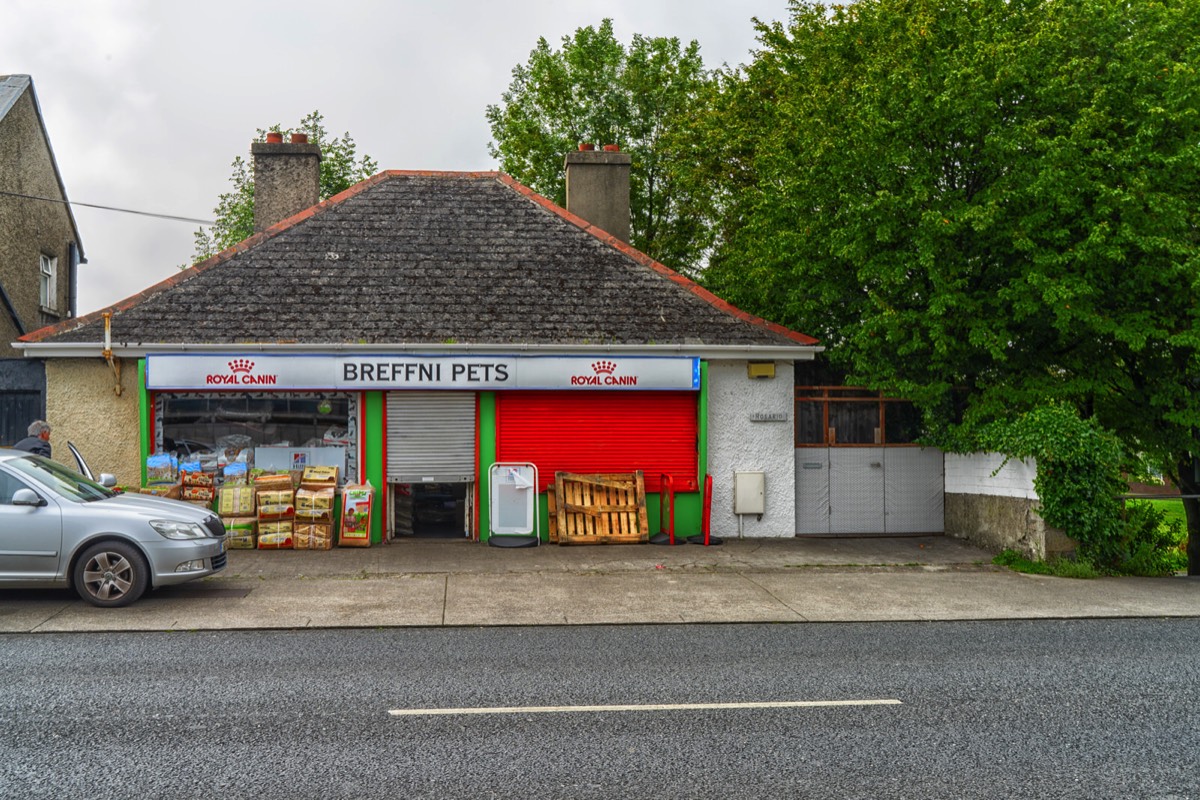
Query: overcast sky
148, 101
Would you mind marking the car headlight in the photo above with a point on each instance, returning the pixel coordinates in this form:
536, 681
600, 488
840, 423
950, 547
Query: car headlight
179, 530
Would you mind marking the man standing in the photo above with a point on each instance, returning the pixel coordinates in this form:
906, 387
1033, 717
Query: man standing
38, 440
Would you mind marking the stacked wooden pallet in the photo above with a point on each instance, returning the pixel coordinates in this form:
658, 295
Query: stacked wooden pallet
598, 509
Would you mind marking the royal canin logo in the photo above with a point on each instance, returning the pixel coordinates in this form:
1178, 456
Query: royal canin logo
241, 373
604, 375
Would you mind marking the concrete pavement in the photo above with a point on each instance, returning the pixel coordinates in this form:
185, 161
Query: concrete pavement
459, 583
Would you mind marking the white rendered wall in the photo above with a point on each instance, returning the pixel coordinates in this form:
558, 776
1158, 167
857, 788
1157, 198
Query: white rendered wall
737, 443
972, 474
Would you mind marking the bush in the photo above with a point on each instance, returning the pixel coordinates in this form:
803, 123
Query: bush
1150, 542
1080, 483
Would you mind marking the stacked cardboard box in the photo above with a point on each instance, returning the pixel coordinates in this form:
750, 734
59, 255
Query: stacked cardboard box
314, 509
235, 504
275, 500
240, 532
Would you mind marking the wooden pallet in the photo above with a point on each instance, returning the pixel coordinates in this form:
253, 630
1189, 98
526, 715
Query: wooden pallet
598, 509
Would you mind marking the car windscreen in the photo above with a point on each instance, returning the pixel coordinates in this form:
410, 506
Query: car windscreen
68, 483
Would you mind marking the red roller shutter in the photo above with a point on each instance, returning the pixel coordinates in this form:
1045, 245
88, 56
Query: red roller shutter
655, 432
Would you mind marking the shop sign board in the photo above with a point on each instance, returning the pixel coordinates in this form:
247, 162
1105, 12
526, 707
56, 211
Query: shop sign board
236, 371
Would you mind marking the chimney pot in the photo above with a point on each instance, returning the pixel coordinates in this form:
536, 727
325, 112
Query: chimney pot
612, 148
274, 137
299, 138
586, 147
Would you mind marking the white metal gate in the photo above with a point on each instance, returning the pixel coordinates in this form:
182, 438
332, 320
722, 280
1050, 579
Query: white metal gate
431, 437
869, 490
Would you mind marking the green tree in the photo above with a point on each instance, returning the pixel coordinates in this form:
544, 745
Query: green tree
984, 205
595, 90
341, 168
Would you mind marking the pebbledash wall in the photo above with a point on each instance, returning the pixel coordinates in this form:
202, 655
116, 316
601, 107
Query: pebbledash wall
993, 504
752, 432
84, 408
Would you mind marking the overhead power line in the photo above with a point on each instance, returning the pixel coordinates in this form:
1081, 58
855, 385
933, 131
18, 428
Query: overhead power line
110, 208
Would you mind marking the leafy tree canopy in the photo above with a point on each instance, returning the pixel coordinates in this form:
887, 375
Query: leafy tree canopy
983, 205
595, 90
341, 168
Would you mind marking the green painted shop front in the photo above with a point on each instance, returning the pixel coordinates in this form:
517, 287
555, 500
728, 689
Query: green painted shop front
371, 455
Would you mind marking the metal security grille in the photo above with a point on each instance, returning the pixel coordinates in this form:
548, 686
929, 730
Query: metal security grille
431, 437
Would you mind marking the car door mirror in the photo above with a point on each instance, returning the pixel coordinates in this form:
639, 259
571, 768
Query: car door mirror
107, 481
27, 497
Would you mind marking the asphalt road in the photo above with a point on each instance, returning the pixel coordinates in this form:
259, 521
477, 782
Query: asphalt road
1046, 709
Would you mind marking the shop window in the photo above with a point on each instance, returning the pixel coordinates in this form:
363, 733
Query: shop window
206, 425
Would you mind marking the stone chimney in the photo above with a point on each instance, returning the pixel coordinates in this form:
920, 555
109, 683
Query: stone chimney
287, 178
598, 188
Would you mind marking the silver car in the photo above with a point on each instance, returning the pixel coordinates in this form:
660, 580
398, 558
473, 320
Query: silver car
60, 529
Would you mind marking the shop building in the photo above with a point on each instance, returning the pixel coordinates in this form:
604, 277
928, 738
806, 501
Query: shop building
422, 326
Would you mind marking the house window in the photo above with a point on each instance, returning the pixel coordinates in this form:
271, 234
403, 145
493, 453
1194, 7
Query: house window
849, 415
48, 291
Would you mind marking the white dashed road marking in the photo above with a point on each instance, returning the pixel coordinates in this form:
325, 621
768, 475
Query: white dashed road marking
425, 712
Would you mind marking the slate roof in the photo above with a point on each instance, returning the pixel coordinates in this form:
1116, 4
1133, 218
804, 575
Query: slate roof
429, 258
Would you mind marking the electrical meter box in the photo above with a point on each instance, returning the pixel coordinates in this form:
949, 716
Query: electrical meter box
749, 492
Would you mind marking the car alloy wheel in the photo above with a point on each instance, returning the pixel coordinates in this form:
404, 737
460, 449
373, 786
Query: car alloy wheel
110, 574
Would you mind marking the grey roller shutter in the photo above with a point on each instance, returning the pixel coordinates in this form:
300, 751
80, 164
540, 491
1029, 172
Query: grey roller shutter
431, 437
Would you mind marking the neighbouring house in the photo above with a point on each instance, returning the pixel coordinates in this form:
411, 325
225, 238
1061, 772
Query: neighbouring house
423, 326
40, 252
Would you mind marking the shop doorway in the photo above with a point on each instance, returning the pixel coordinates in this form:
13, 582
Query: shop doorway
431, 510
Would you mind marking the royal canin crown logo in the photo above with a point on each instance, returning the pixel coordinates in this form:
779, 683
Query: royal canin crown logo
605, 375
239, 374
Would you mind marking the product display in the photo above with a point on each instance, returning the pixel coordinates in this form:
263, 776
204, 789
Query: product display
235, 474
356, 515
203, 494
273, 482
162, 468
276, 540
315, 505
313, 537
171, 491
235, 501
240, 532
